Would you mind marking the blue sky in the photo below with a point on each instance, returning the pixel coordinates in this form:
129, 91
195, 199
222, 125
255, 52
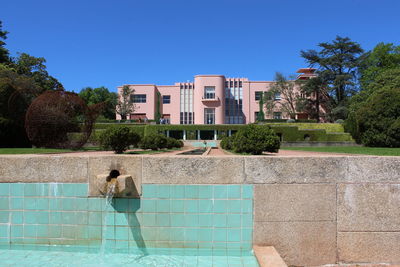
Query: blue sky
109, 43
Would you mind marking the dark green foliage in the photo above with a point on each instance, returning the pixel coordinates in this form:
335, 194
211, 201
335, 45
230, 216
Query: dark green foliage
226, 143
119, 138
337, 64
12, 134
157, 115
173, 143
4, 53
261, 115
154, 142
378, 119
255, 139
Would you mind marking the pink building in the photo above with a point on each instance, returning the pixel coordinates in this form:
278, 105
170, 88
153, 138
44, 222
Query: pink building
209, 99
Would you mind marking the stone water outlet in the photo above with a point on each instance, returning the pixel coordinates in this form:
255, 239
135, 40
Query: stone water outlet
122, 186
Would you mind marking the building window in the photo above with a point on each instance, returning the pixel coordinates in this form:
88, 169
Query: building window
209, 92
166, 99
277, 115
209, 116
258, 95
138, 98
277, 96
240, 84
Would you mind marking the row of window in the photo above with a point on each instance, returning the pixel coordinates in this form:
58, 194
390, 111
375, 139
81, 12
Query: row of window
258, 95
233, 84
209, 93
138, 98
276, 115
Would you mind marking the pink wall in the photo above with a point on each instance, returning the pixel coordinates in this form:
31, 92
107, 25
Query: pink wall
200, 82
149, 107
174, 107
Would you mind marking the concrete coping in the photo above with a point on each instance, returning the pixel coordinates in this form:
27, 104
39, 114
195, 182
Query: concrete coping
268, 257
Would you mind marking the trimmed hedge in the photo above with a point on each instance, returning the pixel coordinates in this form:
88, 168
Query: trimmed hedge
287, 131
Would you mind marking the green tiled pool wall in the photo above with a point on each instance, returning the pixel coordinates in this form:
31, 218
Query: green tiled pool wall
166, 216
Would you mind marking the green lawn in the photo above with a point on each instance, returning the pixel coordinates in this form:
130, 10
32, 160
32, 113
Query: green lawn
378, 151
52, 150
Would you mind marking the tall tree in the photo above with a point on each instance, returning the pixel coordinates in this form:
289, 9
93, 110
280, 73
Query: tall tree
269, 102
261, 115
4, 53
337, 63
289, 94
101, 95
314, 95
125, 106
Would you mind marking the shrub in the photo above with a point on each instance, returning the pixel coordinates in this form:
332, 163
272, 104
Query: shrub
255, 139
378, 119
154, 142
226, 143
118, 138
173, 143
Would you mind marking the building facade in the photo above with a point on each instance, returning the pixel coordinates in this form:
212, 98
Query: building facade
209, 99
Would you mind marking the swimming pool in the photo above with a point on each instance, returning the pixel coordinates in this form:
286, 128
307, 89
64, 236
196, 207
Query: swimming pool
27, 255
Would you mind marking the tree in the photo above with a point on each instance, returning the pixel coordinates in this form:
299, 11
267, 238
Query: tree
4, 53
314, 94
337, 63
261, 115
125, 106
101, 95
269, 101
157, 115
288, 92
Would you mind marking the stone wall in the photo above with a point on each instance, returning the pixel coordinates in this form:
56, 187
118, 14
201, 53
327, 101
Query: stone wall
314, 210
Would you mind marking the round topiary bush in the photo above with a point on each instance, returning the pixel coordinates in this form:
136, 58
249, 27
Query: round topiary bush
118, 138
154, 142
173, 143
226, 143
255, 139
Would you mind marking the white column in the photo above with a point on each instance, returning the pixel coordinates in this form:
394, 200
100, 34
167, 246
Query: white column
184, 134
167, 133
215, 134
198, 134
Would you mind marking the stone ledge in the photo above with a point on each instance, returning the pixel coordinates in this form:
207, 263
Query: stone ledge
268, 257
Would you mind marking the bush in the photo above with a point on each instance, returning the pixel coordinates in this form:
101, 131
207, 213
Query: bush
339, 121
118, 138
226, 143
173, 143
255, 139
154, 142
377, 120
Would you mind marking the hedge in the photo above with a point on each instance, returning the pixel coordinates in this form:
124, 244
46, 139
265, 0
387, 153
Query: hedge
288, 131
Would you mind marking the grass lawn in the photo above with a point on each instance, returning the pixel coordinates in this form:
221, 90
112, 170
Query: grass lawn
378, 151
41, 150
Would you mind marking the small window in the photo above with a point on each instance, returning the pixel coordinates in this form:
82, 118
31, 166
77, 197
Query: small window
277, 96
166, 99
209, 92
277, 115
240, 84
138, 98
258, 95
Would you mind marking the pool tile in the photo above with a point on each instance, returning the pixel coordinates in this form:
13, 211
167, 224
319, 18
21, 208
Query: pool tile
191, 220
205, 205
4, 231
30, 217
205, 191
177, 205
219, 220
149, 191
220, 235
42, 204
205, 234
220, 192
17, 217
191, 206
205, 220
30, 190
4, 189
163, 191
234, 220
220, 206
162, 205
4, 203
68, 204
55, 189
17, 231
55, 218
95, 204
42, 189
247, 234
30, 230
234, 206
94, 232
234, 235
178, 220
121, 233
30, 203
177, 191
149, 219
247, 205
191, 234
121, 219
148, 205
17, 189
247, 191
81, 204
16, 203
163, 219
191, 191
55, 231
42, 231
94, 218
55, 204
121, 204
234, 191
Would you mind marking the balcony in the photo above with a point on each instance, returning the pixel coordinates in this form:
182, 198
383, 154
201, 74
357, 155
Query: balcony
210, 99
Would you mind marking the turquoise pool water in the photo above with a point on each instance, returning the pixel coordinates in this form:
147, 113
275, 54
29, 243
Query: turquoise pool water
79, 256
